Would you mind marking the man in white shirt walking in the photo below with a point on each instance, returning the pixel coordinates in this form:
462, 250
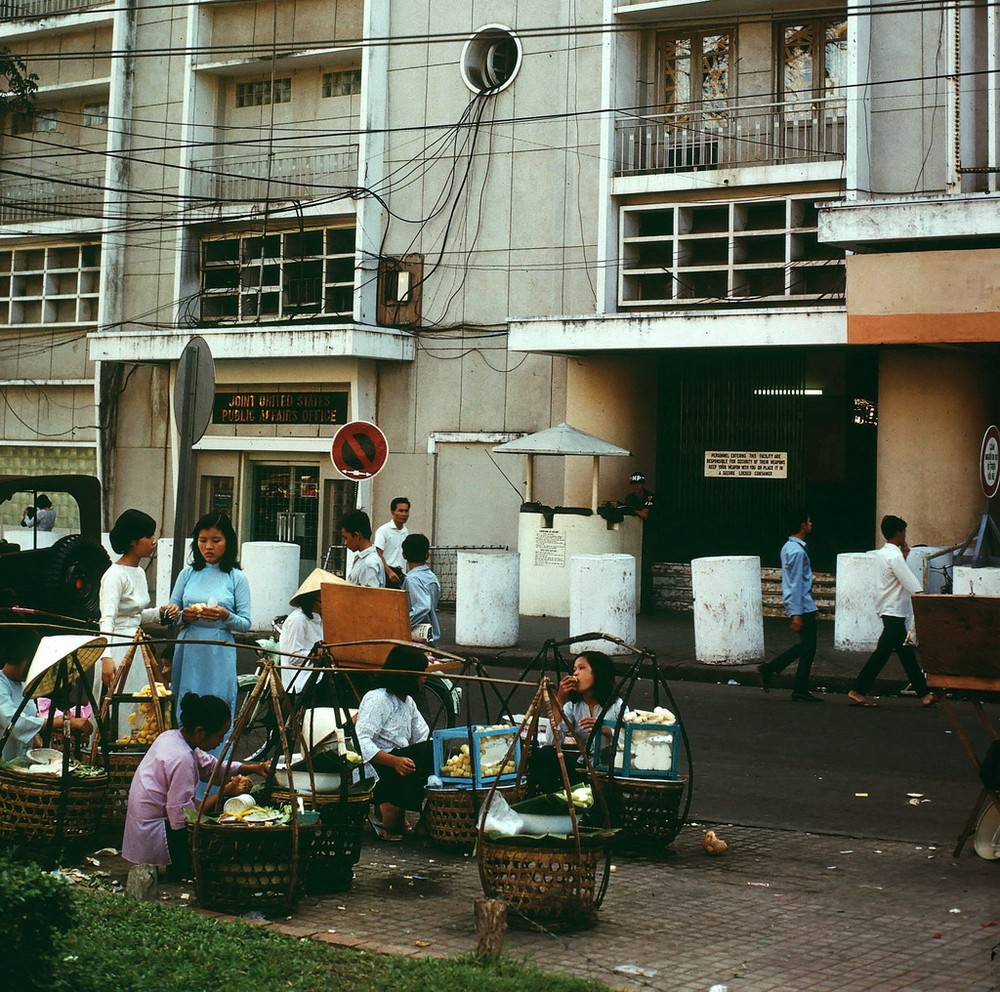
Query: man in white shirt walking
894, 584
356, 532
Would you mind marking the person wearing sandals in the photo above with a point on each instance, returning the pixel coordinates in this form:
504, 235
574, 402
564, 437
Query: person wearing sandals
894, 584
395, 741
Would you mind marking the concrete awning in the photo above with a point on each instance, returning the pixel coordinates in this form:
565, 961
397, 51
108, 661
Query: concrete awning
561, 440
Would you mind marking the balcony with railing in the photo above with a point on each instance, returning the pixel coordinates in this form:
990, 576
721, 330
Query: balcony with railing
304, 176
731, 135
17, 10
47, 198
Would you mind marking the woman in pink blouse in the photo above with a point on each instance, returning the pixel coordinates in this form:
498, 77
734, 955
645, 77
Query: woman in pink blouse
165, 782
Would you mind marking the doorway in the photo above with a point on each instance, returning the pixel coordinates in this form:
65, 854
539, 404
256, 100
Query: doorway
285, 507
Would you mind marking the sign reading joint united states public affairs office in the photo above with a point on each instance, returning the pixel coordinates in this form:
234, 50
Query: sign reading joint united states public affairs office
275, 407
746, 464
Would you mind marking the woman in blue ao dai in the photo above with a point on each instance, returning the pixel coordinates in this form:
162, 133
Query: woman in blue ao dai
211, 599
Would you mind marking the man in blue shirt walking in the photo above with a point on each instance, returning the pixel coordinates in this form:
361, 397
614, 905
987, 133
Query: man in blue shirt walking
796, 591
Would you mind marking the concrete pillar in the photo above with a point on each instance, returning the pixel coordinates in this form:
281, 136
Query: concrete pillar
486, 597
728, 609
856, 626
164, 555
969, 581
930, 571
602, 598
272, 569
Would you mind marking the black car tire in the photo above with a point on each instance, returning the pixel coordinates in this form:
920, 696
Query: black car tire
71, 582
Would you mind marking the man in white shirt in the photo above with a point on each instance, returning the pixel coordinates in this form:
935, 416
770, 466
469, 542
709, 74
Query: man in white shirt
389, 541
894, 584
356, 532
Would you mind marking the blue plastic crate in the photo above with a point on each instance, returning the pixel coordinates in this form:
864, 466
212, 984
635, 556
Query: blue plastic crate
489, 745
645, 750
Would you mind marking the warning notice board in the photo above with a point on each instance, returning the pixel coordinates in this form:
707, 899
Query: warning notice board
746, 464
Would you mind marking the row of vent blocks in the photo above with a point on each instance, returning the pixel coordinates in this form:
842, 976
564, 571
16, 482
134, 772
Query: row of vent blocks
672, 589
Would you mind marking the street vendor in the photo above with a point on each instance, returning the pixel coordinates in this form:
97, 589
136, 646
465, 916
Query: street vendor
17, 648
582, 697
166, 780
395, 741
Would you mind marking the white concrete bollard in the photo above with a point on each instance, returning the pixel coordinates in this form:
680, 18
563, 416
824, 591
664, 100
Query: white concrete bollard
487, 592
856, 626
929, 570
969, 581
272, 569
728, 609
161, 570
602, 598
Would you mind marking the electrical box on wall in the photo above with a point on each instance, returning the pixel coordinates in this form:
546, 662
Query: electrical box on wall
399, 290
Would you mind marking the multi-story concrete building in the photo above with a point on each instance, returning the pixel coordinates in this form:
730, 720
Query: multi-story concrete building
684, 227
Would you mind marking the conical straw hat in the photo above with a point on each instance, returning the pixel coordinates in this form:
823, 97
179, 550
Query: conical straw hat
44, 666
312, 582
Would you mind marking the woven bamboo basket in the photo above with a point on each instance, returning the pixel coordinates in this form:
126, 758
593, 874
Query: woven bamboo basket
243, 868
647, 811
450, 814
546, 885
44, 807
337, 839
122, 767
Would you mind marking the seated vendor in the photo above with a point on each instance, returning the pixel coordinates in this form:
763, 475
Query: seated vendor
17, 648
394, 740
166, 779
581, 697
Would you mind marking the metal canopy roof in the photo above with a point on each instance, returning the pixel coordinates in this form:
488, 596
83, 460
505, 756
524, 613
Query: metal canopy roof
561, 440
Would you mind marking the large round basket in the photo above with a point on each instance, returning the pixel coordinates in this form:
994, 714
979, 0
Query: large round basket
646, 811
450, 814
242, 868
546, 885
122, 766
336, 841
49, 807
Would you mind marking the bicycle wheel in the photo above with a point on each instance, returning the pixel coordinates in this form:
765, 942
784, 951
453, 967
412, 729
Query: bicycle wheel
259, 725
438, 703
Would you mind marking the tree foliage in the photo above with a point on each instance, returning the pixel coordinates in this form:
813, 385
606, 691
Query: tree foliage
17, 84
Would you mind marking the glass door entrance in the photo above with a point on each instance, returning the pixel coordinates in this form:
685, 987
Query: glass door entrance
286, 507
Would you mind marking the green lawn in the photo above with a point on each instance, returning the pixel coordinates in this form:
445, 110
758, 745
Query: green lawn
122, 945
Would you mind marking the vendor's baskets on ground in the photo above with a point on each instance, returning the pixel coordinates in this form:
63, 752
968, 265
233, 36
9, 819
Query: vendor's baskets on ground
56, 808
647, 812
546, 884
240, 868
450, 814
122, 766
336, 841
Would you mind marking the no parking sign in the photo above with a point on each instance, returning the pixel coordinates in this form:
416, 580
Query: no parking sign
359, 450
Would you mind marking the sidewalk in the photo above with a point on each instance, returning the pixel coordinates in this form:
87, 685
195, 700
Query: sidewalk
670, 635
778, 912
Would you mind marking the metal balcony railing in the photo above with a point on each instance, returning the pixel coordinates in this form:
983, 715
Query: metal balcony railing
731, 135
14, 10
303, 176
47, 198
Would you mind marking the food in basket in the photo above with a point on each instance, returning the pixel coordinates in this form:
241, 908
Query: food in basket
26, 766
243, 783
459, 765
148, 731
659, 714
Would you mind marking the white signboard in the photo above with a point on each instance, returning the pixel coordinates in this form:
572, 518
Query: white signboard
550, 548
746, 464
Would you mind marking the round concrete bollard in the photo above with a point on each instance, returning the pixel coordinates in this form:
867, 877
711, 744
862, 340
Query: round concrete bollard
928, 565
486, 599
856, 626
969, 581
272, 569
602, 598
728, 609
161, 570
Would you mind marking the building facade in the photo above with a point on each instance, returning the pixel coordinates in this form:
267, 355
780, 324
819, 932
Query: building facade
687, 228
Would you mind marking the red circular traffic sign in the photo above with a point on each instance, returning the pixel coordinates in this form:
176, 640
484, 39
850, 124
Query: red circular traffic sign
359, 450
989, 462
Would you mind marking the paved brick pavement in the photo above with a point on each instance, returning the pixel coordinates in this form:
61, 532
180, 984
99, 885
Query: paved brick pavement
778, 911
